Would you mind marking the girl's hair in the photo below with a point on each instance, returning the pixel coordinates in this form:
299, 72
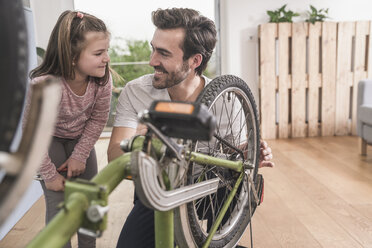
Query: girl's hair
66, 43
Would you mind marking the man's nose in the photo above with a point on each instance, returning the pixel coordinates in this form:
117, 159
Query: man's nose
154, 59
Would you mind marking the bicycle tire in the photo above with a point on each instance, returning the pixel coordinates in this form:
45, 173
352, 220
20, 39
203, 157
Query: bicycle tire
13, 68
193, 220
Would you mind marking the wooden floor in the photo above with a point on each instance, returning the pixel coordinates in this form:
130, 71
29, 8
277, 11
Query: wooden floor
318, 195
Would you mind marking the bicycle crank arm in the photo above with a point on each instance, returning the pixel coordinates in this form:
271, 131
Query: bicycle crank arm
145, 176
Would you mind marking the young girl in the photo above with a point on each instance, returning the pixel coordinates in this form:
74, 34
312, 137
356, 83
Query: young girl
77, 53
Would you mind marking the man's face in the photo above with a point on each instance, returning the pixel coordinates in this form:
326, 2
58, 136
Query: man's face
167, 58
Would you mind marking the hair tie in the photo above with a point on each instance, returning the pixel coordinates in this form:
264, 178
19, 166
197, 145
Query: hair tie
80, 15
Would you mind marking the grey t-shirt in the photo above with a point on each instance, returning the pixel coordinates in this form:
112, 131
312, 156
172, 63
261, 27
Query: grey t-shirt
137, 96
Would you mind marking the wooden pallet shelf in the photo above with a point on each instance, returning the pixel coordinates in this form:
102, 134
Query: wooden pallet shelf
308, 76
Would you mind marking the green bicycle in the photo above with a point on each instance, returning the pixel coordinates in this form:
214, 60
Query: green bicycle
196, 167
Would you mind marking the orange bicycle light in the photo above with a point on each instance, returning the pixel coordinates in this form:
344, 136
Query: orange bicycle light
174, 107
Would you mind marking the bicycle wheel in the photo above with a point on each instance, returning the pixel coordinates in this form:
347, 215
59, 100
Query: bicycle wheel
13, 68
236, 138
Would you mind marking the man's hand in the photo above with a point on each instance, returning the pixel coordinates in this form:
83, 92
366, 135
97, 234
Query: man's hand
74, 167
141, 129
117, 135
265, 155
57, 184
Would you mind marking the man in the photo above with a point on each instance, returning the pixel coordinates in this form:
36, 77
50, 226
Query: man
182, 45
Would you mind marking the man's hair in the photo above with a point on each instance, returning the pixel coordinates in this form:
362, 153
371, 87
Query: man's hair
66, 42
200, 32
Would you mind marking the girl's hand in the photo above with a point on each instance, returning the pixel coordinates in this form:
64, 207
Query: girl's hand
74, 167
57, 184
265, 155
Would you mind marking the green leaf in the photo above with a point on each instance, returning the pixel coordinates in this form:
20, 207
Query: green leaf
313, 8
40, 52
282, 8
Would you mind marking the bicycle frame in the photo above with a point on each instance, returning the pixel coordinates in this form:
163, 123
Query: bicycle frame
90, 198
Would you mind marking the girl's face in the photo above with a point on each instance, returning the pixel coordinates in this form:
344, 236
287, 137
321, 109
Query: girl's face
94, 57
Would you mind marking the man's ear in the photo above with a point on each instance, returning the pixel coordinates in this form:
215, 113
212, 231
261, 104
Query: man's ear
196, 60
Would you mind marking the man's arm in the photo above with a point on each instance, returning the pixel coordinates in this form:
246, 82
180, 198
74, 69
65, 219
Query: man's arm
117, 135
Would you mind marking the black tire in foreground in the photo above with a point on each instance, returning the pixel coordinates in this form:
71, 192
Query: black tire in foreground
13, 68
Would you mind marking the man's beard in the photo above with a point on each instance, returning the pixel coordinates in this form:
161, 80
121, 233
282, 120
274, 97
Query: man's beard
170, 78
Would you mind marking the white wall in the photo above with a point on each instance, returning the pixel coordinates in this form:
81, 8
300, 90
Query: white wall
240, 19
46, 13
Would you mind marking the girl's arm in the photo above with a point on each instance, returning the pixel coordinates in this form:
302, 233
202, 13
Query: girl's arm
94, 126
47, 169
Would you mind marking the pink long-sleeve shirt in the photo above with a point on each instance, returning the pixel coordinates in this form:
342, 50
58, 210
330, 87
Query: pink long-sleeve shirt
82, 117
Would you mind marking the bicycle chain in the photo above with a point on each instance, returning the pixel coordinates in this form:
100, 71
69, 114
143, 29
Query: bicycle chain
229, 145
